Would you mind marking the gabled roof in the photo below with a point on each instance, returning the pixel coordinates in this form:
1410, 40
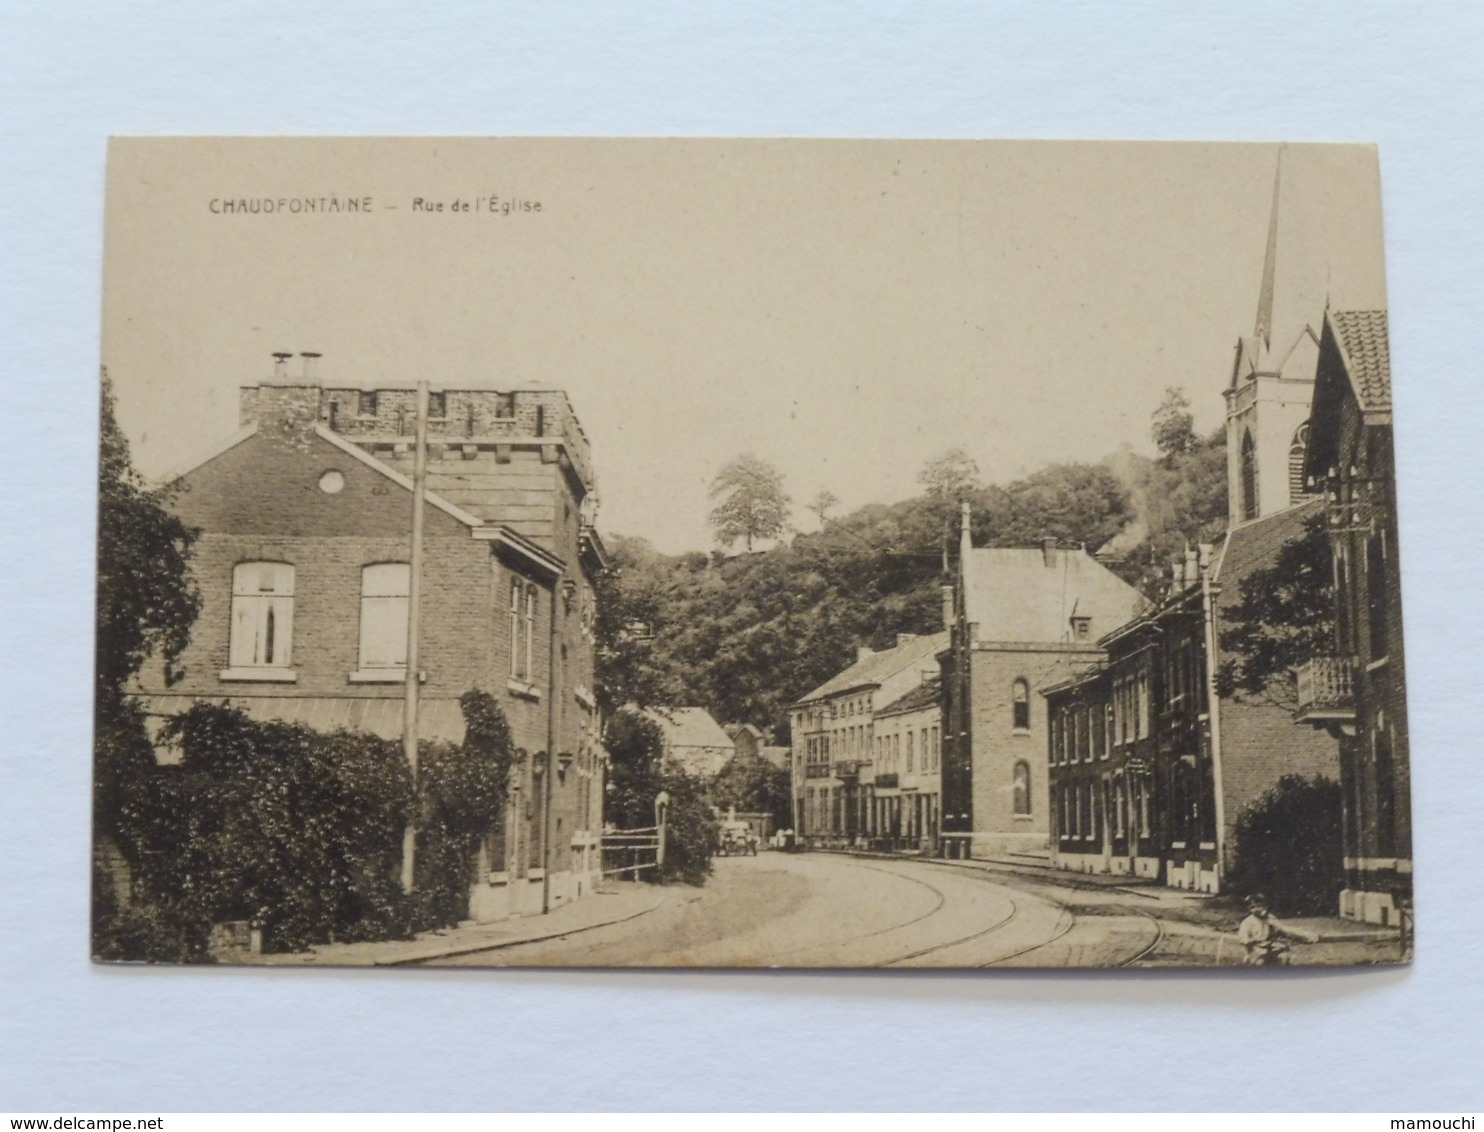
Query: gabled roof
1365, 348
206, 455
1015, 596
928, 694
871, 670
689, 727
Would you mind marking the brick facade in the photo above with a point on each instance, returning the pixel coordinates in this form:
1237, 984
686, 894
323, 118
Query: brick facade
291, 490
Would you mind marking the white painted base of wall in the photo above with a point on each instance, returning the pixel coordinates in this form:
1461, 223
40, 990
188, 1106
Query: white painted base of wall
1369, 907
1147, 867
1192, 877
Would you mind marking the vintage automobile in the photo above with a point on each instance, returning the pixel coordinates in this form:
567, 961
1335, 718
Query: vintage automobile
737, 839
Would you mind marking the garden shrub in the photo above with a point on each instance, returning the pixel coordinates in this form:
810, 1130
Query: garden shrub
1288, 846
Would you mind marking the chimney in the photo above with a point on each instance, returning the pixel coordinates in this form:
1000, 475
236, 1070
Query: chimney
311, 367
861, 652
947, 606
1192, 566
285, 408
1048, 551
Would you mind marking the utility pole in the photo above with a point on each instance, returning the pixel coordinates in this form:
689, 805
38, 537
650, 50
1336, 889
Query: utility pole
414, 625
1213, 708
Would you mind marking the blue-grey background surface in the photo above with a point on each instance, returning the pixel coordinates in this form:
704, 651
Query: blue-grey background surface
76, 1037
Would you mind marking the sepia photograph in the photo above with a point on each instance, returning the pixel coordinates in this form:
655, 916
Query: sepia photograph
721, 553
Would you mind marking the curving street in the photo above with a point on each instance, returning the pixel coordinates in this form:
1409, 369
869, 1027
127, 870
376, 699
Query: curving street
830, 910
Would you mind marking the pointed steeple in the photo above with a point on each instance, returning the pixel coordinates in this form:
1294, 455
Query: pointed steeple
1263, 331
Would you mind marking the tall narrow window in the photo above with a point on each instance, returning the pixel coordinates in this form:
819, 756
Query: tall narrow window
1249, 477
1143, 704
384, 589
1296, 453
1022, 788
1376, 595
909, 752
522, 628
1021, 699
262, 615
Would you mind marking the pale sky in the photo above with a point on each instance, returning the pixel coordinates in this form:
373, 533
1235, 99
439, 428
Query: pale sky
845, 310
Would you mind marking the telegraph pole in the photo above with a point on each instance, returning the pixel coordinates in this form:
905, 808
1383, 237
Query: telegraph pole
414, 625
1213, 707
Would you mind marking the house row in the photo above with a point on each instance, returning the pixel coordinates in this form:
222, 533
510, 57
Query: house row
303, 566
1080, 725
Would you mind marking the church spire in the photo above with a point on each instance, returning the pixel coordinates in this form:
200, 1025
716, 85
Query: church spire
1264, 328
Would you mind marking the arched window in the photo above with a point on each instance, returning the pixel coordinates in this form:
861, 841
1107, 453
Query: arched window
1249, 477
1020, 698
1022, 783
1296, 453
262, 615
384, 590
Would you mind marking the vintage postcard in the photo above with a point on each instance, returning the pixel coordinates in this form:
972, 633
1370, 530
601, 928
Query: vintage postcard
747, 553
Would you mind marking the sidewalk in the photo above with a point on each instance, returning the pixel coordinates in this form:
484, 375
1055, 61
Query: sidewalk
1194, 908
612, 904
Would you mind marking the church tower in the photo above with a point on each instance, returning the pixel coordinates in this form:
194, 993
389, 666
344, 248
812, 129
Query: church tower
1272, 382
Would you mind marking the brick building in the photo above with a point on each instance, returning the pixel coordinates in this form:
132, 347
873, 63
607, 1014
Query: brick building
1149, 766
302, 562
1024, 618
834, 739
1359, 694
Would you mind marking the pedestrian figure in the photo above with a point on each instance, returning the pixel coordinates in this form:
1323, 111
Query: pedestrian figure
1261, 936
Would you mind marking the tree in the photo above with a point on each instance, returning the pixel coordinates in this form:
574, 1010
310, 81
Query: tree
823, 503
753, 785
753, 504
637, 774
950, 478
1284, 616
147, 598
147, 603
1174, 427
627, 668
1078, 503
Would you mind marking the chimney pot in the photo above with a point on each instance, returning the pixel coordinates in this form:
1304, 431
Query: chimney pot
311, 365
281, 366
947, 606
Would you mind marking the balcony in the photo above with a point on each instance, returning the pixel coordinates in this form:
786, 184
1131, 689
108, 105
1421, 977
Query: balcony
1326, 697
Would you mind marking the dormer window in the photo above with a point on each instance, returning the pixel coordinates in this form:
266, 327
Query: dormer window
1081, 628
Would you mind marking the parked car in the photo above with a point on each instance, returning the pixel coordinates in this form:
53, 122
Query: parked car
738, 839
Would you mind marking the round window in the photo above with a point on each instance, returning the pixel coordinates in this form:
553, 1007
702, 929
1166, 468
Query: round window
331, 482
